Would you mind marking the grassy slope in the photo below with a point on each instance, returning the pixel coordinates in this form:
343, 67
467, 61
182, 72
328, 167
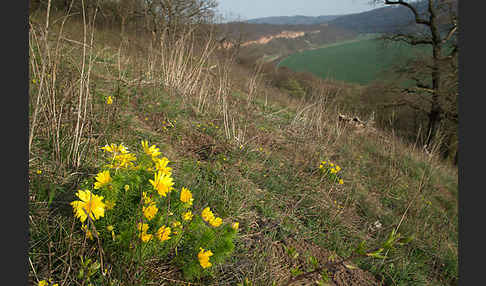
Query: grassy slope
359, 61
270, 184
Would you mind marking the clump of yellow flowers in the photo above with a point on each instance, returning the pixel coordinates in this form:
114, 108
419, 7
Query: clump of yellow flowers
141, 186
47, 283
331, 170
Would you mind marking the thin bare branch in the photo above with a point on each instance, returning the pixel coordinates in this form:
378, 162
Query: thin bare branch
418, 20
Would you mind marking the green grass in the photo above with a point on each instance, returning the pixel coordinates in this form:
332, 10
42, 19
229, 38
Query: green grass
359, 61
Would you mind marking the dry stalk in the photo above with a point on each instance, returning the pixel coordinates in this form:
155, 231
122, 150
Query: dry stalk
52, 104
312, 119
253, 82
183, 66
44, 62
84, 96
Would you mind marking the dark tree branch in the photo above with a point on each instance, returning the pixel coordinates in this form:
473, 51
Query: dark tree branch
418, 20
450, 34
409, 39
425, 87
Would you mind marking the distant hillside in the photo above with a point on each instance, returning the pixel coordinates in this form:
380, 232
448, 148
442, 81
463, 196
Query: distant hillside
259, 40
294, 20
255, 32
380, 20
393, 18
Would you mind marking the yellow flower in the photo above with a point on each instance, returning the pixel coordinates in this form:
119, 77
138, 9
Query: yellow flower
341, 181
111, 228
186, 196
187, 216
176, 225
338, 168
109, 205
126, 187
152, 150
45, 283
39, 172
124, 160
146, 199
163, 233
331, 164
207, 214
203, 257
122, 149
103, 178
162, 183
90, 204
113, 148
142, 228
235, 225
109, 100
161, 165
216, 222
150, 211
145, 236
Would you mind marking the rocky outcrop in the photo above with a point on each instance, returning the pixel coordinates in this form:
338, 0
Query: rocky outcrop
283, 34
265, 39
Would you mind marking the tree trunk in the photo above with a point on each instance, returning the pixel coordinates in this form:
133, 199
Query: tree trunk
434, 120
122, 30
435, 110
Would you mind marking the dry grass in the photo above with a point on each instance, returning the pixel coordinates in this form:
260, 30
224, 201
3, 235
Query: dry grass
61, 101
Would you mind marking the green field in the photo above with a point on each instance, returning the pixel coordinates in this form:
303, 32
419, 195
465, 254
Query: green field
358, 61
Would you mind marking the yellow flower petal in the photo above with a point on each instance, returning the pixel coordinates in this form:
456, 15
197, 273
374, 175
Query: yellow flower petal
207, 214
186, 196
187, 216
203, 257
163, 233
90, 204
150, 211
216, 222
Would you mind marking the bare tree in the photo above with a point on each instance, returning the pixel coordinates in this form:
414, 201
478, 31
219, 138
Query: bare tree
435, 77
168, 14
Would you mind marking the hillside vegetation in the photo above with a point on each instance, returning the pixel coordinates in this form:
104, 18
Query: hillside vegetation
257, 153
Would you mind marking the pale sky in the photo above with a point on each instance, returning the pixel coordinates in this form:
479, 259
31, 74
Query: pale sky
250, 9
